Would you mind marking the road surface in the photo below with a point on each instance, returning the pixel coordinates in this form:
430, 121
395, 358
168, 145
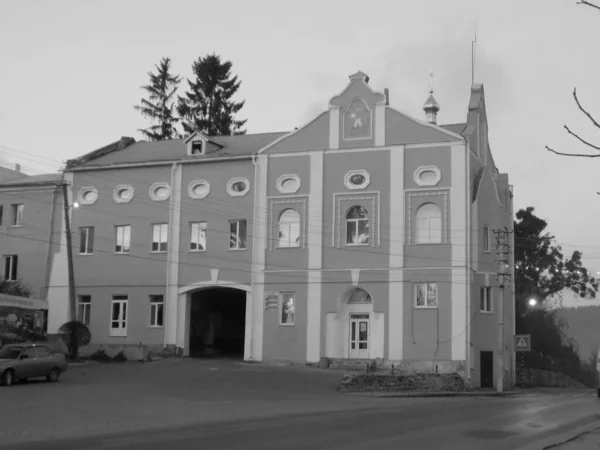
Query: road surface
183, 404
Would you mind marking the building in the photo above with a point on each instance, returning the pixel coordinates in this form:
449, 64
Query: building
30, 214
364, 235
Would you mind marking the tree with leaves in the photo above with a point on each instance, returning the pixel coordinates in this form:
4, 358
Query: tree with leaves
583, 110
160, 103
16, 288
541, 269
207, 106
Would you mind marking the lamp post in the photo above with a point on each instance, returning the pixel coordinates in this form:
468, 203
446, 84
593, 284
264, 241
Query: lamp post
71, 273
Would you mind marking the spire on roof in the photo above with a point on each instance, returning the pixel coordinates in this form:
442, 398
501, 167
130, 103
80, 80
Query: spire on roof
431, 106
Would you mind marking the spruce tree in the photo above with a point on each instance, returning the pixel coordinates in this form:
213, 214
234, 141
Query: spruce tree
208, 107
160, 103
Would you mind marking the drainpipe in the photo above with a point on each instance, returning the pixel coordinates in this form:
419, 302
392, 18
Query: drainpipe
253, 267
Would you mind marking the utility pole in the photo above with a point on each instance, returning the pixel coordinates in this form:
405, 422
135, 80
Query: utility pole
71, 273
502, 251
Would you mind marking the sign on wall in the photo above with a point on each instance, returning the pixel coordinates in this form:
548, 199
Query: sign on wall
523, 342
271, 300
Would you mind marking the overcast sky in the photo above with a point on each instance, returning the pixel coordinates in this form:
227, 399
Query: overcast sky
71, 70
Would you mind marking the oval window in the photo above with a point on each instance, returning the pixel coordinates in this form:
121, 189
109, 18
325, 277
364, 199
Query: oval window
125, 194
357, 179
89, 196
161, 192
238, 186
428, 176
200, 189
289, 184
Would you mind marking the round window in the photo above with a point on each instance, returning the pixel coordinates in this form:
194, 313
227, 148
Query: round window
238, 186
357, 179
289, 184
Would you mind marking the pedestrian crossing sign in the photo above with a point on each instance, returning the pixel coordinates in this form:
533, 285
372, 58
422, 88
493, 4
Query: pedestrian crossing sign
523, 342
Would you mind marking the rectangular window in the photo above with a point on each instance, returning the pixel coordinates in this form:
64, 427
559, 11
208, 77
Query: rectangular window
198, 236
426, 295
10, 267
485, 300
287, 309
16, 218
237, 234
122, 238
160, 235
86, 240
486, 239
84, 306
118, 315
1, 214
156, 310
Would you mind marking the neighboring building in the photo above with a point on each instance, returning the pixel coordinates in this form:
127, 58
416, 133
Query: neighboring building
365, 234
30, 220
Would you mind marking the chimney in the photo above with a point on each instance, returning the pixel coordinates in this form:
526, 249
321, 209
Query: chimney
386, 92
18, 168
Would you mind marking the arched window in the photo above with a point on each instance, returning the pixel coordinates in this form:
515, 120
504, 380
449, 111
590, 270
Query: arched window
357, 226
289, 229
429, 224
359, 296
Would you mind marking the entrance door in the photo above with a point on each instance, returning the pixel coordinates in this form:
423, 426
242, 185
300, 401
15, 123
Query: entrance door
486, 362
359, 336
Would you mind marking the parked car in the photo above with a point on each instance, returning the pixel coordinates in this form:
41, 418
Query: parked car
19, 362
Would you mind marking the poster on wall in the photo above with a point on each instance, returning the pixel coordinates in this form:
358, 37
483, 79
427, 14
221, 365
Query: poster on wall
271, 300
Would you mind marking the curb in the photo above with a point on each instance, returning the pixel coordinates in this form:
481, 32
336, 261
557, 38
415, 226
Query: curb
591, 423
438, 394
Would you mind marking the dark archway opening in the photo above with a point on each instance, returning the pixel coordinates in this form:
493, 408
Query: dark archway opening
218, 323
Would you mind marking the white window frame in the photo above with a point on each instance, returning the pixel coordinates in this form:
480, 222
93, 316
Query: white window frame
427, 285
16, 214
419, 239
486, 240
160, 231
154, 311
84, 309
89, 240
233, 181
237, 222
11, 267
121, 329
201, 226
355, 223
485, 300
283, 296
123, 249
288, 243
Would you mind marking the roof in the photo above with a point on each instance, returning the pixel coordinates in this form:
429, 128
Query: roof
33, 180
456, 128
128, 151
10, 174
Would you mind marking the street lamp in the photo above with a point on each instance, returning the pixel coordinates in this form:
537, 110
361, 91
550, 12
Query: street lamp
532, 302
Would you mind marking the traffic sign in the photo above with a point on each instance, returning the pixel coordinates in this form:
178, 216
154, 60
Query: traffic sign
523, 342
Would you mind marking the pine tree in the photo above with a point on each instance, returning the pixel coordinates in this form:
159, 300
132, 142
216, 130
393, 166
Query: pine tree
208, 106
159, 105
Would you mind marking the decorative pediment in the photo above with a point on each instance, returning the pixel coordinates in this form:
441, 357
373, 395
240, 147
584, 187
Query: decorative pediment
358, 87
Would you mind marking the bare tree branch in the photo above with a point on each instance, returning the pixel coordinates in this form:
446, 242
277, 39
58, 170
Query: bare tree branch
581, 139
582, 108
579, 155
584, 2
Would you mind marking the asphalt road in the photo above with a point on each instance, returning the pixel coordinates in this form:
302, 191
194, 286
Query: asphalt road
448, 423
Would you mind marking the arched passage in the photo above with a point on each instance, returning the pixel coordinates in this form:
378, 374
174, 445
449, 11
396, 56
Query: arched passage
217, 321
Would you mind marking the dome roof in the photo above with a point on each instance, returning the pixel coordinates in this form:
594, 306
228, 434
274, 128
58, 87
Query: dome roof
431, 103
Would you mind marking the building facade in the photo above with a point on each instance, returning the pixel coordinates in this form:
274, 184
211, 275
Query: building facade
364, 235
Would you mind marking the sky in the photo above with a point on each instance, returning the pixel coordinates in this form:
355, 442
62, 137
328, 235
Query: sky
71, 71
